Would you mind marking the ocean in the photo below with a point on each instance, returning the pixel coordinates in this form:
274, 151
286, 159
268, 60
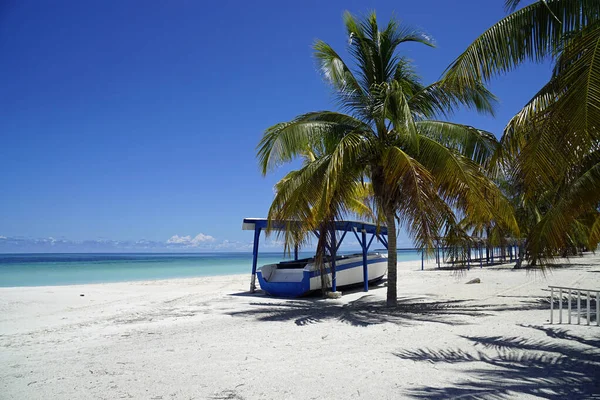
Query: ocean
71, 269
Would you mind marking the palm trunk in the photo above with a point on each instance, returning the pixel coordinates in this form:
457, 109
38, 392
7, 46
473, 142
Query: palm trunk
320, 256
392, 290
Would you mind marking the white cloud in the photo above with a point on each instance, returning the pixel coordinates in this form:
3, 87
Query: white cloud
189, 241
232, 246
272, 244
177, 243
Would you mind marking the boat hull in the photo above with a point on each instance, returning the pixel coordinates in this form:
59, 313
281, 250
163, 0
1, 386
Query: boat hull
298, 282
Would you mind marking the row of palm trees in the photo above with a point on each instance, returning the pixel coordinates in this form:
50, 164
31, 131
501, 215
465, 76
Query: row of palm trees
390, 155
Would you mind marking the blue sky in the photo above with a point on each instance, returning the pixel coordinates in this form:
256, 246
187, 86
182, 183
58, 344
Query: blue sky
128, 124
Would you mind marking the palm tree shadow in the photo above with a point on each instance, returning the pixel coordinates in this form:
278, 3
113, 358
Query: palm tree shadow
363, 311
553, 369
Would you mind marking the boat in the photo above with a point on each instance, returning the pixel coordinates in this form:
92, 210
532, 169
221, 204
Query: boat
299, 277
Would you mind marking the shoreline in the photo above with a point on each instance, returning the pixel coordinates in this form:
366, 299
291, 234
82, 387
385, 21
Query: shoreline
91, 270
411, 265
429, 266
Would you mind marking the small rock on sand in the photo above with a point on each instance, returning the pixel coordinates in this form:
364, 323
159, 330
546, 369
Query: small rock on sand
476, 280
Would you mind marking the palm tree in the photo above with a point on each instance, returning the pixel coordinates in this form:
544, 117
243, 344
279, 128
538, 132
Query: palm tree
553, 143
422, 171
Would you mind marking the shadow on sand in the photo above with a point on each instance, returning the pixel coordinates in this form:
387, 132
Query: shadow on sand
568, 366
366, 311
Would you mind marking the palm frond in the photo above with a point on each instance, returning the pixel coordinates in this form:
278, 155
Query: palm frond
464, 186
395, 108
419, 207
470, 142
530, 33
374, 50
442, 97
558, 127
577, 79
283, 142
548, 236
350, 94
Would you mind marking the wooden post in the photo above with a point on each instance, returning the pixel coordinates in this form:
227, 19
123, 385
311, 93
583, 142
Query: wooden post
569, 297
560, 306
588, 307
578, 307
551, 305
597, 308
480, 255
333, 252
469, 257
363, 244
254, 258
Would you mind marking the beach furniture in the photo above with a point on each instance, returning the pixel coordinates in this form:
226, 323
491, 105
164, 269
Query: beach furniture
588, 298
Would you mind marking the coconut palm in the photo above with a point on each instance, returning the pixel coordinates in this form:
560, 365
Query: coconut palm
553, 143
422, 171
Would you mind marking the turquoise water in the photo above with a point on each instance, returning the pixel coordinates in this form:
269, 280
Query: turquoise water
71, 269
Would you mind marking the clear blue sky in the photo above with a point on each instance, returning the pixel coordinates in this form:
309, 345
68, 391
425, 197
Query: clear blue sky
130, 120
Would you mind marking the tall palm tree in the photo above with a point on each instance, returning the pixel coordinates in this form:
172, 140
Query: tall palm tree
422, 171
553, 143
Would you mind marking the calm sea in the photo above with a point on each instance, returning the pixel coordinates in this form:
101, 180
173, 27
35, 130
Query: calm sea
71, 269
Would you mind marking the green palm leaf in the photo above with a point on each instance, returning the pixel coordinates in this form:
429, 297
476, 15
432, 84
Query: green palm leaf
531, 33
473, 143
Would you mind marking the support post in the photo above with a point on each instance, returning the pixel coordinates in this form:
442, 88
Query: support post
370, 241
560, 306
597, 308
578, 307
382, 240
422, 259
254, 258
296, 252
569, 297
551, 305
469, 257
363, 244
340, 242
480, 255
588, 307
443, 255
333, 252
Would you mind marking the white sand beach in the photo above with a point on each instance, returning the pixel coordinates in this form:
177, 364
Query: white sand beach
207, 338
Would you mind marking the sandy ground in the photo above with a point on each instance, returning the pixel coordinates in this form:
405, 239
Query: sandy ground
206, 338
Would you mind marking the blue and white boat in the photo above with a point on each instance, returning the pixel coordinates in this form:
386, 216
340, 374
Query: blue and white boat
299, 277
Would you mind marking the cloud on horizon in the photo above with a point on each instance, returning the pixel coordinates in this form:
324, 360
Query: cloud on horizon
177, 243
200, 242
188, 241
